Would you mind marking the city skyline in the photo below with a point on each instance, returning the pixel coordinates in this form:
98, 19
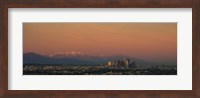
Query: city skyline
148, 41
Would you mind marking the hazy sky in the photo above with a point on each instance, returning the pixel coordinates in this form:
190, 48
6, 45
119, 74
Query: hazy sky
149, 41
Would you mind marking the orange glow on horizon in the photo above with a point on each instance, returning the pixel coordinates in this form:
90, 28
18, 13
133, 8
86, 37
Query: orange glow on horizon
150, 41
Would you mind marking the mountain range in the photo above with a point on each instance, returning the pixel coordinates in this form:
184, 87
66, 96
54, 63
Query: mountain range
34, 58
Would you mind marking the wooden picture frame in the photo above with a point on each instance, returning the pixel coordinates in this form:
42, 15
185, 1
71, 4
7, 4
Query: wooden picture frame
194, 4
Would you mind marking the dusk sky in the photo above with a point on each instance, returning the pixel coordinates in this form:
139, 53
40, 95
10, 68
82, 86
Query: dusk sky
148, 41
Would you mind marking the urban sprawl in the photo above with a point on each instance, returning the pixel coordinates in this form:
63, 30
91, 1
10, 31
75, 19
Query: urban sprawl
115, 67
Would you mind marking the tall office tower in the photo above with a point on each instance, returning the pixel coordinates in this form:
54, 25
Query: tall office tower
118, 63
109, 63
127, 63
133, 64
115, 65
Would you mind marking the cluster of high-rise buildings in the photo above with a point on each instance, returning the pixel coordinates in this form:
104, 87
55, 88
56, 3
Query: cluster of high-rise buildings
125, 63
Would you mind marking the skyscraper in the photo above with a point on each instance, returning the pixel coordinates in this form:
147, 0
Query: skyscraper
127, 63
109, 63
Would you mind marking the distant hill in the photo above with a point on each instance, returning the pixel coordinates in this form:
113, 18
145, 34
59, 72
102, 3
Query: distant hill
34, 58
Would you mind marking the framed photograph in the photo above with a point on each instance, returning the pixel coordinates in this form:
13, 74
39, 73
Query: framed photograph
107, 48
